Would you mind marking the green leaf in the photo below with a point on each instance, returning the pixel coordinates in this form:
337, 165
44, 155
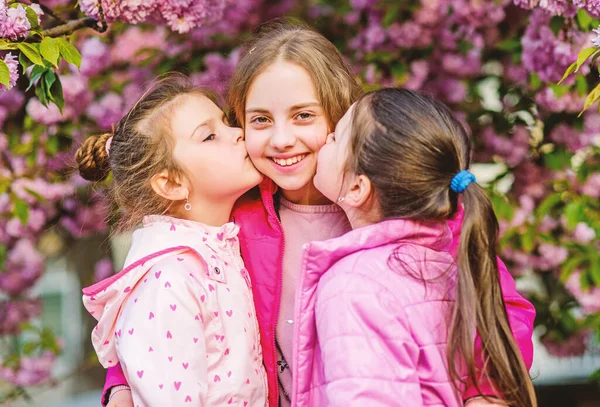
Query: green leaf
35, 195
6, 45
29, 348
584, 19
21, 210
36, 73
509, 45
55, 93
69, 52
52, 145
4, 74
465, 46
32, 17
49, 77
390, 16
568, 72
50, 50
568, 322
3, 254
591, 99
559, 90
574, 212
570, 265
582, 86
556, 24
557, 160
594, 269
548, 204
528, 239
24, 61
41, 93
534, 81
584, 55
31, 52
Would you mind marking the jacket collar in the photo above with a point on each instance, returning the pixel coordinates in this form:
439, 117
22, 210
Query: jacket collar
436, 236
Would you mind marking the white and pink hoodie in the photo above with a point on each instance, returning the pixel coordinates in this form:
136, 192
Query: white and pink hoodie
180, 318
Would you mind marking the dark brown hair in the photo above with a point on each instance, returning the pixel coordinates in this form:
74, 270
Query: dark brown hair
424, 146
288, 40
141, 146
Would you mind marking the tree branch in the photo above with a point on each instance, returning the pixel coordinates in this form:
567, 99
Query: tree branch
48, 11
71, 26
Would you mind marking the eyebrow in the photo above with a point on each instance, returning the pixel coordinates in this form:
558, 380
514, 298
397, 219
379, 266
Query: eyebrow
295, 107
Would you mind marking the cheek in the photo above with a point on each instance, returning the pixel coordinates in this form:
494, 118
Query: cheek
255, 143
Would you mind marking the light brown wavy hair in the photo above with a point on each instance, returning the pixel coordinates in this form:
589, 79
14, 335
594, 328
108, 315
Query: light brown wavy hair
142, 146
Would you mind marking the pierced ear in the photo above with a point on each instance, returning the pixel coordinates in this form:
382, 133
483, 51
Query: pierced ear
359, 192
167, 188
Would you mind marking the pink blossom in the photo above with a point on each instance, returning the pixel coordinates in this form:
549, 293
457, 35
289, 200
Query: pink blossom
103, 269
570, 102
583, 233
544, 53
569, 137
108, 111
589, 299
591, 6
90, 8
14, 313
551, 256
13, 22
574, 345
592, 186
95, 56
218, 71
31, 370
129, 45
409, 35
24, 266
419, 71
513, 149
42, 114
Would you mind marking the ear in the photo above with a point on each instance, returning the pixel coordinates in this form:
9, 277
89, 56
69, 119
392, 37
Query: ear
170, 189
359, 191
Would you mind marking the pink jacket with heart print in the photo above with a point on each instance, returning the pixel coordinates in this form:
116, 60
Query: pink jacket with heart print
180, 318
367, 330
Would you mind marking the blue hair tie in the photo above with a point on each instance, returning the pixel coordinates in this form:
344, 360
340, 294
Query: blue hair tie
461, 181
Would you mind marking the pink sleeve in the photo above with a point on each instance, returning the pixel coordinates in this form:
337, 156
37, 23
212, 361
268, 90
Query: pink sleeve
521, 316
369, 355
114, 377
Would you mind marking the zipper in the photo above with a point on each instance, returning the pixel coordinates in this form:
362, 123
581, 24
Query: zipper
271, 210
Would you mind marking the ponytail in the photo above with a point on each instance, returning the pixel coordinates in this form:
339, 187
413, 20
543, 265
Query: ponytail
479, 304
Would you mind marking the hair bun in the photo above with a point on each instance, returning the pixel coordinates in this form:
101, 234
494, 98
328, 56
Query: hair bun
92, 158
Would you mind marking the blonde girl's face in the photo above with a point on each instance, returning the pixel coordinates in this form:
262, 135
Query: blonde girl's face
285, 129
212, 154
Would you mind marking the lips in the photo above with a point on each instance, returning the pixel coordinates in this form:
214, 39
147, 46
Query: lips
285, 162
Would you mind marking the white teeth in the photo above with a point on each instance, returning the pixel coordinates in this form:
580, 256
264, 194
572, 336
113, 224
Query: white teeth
289, 161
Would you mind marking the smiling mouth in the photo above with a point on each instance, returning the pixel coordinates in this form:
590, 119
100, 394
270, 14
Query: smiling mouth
284, 162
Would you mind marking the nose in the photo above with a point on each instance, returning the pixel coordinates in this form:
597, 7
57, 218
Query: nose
282, 138
238, 135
